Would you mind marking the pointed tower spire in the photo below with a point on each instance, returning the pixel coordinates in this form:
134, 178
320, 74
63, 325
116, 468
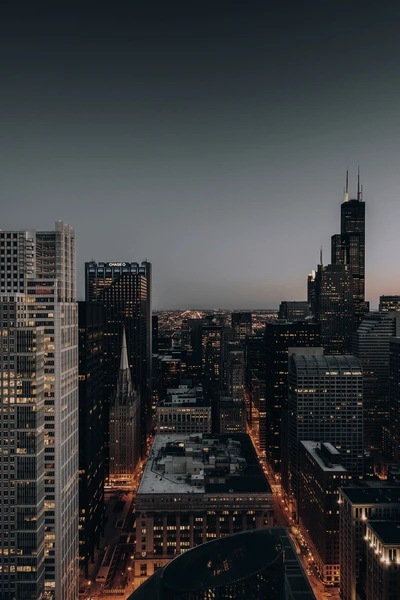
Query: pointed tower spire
358, 186
320, 257
124, 353
346, 191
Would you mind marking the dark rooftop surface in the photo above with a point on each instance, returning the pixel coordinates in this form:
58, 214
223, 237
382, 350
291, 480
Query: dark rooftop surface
372, 495
223, 561
250, 479
296, 583
387, 531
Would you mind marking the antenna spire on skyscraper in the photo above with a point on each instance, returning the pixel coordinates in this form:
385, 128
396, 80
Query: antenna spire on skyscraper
359, 194
320, 258
346, 191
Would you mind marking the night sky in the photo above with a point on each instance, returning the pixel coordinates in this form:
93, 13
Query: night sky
210, 138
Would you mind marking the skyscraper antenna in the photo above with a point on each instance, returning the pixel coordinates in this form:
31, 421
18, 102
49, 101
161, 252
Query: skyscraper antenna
346, 191
320, 257
358, 186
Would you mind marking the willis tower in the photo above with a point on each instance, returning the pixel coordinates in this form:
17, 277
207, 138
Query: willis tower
348, 246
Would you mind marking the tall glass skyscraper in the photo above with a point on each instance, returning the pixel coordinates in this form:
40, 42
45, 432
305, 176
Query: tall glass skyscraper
348, 247
39, 397
124, 290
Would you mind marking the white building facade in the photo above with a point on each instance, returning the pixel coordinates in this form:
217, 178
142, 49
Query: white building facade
38, 269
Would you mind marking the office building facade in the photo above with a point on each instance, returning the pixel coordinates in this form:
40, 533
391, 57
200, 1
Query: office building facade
124, 290
320, 476
394, 398
389, 303
294, 311
334, 307
279, 336
184, 410
371, 344
232, 415
22, 458
241, 325
358, 505
326, 403
382, 542
91, 430
41, 267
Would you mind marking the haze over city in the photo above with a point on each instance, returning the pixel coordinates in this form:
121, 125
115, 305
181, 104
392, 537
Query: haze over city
210, 138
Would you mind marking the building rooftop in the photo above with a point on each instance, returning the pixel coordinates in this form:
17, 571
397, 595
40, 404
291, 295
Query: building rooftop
372, 494
184, 395
311, 360
387, 531
203, 464
325, 455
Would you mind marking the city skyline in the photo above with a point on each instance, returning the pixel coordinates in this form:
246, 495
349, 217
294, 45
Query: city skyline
213, 143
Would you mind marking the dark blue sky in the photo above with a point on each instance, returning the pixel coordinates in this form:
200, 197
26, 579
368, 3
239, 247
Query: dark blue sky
211, 138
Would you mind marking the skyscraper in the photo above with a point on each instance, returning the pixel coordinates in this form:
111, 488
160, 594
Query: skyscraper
22, 492
37, 282
394, 397
348, 247
241, 325
124, 425
124, 290
334, 307
371, 344
279, 336
325, 403
374, 500
91, 429
321, 473
235, 370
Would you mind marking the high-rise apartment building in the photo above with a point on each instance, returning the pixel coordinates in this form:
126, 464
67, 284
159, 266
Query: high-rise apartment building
371, 344
91, 429
279, 336
124, 425
348, 247
37, 283
320, 476
326, 403
241, 325
124, 290
334, 308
